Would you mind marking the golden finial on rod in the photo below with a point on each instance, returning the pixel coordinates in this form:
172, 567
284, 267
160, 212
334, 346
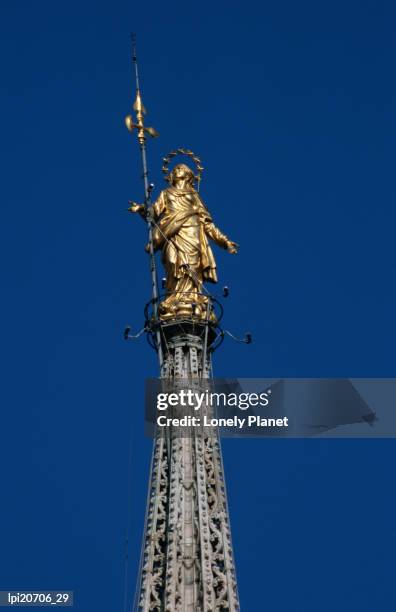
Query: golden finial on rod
138, 107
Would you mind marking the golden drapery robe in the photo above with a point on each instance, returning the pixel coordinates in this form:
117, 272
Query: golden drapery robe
182, 227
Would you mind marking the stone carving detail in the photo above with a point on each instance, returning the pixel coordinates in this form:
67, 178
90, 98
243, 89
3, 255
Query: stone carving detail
187, 561
154, 546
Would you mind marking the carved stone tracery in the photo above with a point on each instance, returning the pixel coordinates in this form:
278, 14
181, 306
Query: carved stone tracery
187, 561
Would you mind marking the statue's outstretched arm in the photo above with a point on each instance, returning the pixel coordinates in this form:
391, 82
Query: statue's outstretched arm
152, 213
137, 208
155, 210
219, 238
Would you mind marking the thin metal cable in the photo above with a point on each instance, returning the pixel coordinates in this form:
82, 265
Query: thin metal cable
129, 506
139, 573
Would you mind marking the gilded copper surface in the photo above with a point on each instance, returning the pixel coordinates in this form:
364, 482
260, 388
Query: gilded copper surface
182, 229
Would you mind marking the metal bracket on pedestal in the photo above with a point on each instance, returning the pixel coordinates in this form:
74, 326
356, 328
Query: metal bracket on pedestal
220, 339
128, 336
246, 340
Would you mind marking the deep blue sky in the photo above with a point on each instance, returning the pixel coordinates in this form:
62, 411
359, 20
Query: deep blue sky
291, 106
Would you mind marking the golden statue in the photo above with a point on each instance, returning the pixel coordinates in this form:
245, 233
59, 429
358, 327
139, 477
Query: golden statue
181, 227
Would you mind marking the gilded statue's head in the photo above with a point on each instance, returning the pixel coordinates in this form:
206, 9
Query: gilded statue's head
181, 172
